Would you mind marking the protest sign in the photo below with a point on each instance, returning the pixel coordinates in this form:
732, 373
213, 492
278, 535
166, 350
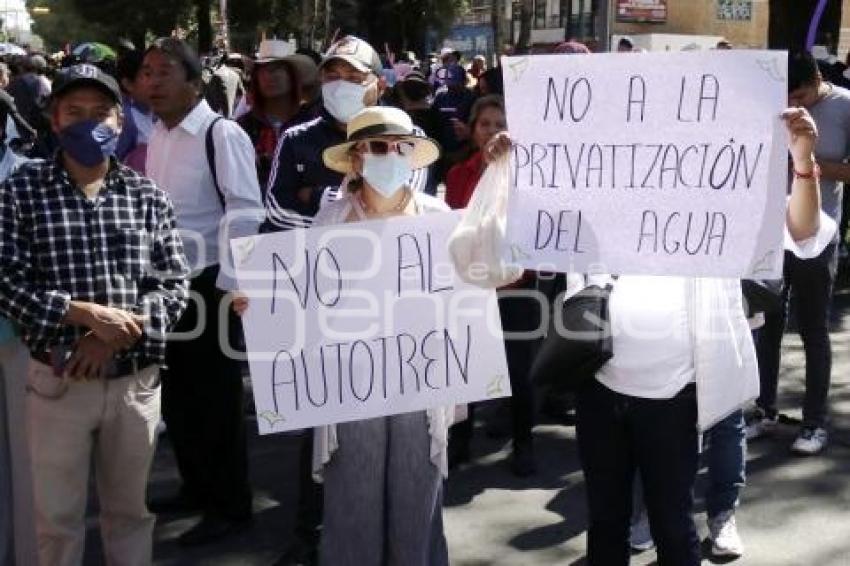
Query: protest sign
655, 163
361, 320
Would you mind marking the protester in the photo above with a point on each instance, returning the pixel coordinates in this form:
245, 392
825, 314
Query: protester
519, 313
454, 102
299, 183
625, 45
478, 67
382, 476
207, 166
448, 57
138, 118
277, 100
66, 226
31, 89
414, 97
809, 280
640, 412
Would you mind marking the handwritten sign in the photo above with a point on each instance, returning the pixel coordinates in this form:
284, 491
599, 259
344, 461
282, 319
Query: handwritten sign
362, 320
657, 163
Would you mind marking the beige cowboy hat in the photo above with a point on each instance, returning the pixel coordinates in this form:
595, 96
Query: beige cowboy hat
378, 122
272, 50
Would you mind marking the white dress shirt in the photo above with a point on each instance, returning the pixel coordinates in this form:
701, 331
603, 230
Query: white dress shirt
177, 162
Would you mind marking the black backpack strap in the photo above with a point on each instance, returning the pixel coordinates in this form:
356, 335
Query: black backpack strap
211, 160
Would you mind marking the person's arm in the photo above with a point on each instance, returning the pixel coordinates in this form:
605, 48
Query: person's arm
281, 188
803, 215
235, 162
166, 292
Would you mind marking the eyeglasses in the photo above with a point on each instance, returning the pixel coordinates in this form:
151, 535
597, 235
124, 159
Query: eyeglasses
383, 147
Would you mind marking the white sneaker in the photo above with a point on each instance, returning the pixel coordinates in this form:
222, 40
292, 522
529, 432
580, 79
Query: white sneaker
640, 537
723, 532
760, 425
810, 441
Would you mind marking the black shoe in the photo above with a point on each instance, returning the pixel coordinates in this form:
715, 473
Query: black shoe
180, 503
523, 463
299, 554
212, 529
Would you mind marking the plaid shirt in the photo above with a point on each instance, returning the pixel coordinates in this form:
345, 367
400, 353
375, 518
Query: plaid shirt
120, 249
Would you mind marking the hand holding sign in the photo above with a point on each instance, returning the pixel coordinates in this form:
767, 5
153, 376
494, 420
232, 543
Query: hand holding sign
803, 133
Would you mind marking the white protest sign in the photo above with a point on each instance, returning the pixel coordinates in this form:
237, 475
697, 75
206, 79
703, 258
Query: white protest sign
656, 163
366, 319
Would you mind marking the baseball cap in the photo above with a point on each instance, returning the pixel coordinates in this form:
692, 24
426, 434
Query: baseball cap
356, 53
85, 74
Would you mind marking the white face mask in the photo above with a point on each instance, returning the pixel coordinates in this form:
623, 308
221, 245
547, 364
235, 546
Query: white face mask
343, 99
387, 174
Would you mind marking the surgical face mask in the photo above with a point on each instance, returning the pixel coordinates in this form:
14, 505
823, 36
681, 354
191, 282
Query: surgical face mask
387, 174
88, 142
343, 99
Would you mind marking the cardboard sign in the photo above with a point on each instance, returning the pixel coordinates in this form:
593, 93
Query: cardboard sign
362, 320
648, 163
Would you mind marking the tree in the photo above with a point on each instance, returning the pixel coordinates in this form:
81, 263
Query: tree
65, 25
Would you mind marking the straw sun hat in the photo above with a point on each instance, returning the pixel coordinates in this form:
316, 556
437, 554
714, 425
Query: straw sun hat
378, 122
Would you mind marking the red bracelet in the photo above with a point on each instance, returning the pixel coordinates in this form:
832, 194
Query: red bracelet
814, 174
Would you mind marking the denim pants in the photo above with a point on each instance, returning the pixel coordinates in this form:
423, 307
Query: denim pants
726, 457
810, 281
618, 436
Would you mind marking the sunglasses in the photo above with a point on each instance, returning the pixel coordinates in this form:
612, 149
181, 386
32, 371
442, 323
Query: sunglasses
383, 147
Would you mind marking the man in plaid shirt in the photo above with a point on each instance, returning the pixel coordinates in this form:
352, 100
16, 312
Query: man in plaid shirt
93, 271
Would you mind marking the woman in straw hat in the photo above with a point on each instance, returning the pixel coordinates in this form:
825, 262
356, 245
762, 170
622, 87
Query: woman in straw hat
382, 476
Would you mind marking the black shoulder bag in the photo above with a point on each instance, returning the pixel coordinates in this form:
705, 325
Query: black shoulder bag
579, 341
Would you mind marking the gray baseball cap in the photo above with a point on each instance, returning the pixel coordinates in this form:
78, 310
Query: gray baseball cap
356, 53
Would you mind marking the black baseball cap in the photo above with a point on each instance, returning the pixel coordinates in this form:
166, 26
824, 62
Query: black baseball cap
85, 74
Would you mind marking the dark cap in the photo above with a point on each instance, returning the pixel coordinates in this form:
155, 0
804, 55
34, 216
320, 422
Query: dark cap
356, 53
82, 75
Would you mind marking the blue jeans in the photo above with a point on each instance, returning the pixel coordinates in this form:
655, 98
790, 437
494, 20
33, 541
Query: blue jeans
726, 458
618, 436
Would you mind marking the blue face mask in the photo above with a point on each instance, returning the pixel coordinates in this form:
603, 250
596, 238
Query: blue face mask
88, 142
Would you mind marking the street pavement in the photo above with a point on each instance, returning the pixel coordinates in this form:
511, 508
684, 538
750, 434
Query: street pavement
794, 511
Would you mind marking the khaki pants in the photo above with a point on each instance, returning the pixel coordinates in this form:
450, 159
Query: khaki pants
112, 422
17, 523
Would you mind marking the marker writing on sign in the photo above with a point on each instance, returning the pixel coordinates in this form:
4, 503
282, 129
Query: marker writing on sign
573, 165
690, 233
367, 370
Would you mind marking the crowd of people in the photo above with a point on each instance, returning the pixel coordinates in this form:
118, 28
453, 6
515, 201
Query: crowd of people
123, 181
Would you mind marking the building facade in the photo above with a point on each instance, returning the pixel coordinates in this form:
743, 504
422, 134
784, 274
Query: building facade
775, 24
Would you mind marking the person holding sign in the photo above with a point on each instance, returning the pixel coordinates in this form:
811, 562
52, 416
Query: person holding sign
382, 476
683, 359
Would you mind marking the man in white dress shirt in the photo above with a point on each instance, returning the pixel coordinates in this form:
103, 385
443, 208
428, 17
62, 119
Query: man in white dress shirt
206, 164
